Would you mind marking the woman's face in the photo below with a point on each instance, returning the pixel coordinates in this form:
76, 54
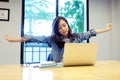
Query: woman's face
63, 28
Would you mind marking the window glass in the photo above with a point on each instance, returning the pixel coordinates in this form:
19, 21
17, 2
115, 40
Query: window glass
39, 15
75, 12
38, 18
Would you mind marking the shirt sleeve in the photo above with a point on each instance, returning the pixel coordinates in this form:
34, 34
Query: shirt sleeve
38, 39
87, 35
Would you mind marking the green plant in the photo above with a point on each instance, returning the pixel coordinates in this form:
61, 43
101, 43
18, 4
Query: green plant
74, 9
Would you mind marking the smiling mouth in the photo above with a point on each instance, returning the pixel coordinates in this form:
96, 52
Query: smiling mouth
65, 32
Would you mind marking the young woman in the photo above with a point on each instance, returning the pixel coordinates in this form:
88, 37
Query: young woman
61, 34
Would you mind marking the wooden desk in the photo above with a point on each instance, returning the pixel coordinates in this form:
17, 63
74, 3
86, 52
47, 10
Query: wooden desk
102, 70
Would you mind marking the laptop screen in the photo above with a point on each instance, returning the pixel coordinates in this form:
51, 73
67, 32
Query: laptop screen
79, 54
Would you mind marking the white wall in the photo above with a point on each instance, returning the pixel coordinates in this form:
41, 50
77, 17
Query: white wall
101, 12
10, 52
99, 16
115, 6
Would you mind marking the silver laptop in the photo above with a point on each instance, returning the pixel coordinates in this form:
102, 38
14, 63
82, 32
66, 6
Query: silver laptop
79, 54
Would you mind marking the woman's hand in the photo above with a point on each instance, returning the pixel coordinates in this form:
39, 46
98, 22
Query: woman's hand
10, 39
7, 37
109, 26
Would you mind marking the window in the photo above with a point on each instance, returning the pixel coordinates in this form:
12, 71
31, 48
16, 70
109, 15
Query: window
37, 20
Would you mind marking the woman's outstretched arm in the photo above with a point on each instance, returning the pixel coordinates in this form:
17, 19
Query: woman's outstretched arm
10, 39
109, 27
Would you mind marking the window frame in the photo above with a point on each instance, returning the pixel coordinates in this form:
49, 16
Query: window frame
57, 13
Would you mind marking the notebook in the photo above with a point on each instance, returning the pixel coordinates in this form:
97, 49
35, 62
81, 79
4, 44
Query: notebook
79, 54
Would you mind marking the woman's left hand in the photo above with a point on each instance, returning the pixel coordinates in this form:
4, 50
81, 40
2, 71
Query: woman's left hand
109, 26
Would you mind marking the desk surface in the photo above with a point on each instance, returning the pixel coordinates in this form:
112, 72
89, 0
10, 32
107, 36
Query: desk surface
102, 70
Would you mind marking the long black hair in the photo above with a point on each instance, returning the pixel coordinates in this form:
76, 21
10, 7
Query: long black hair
56, 36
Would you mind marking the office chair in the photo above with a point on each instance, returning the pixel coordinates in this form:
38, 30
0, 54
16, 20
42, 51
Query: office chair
50, 57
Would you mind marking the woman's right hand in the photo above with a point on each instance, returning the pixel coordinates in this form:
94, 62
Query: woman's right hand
10, 39
7, 37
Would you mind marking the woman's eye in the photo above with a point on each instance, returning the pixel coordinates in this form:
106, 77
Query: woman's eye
64, 25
